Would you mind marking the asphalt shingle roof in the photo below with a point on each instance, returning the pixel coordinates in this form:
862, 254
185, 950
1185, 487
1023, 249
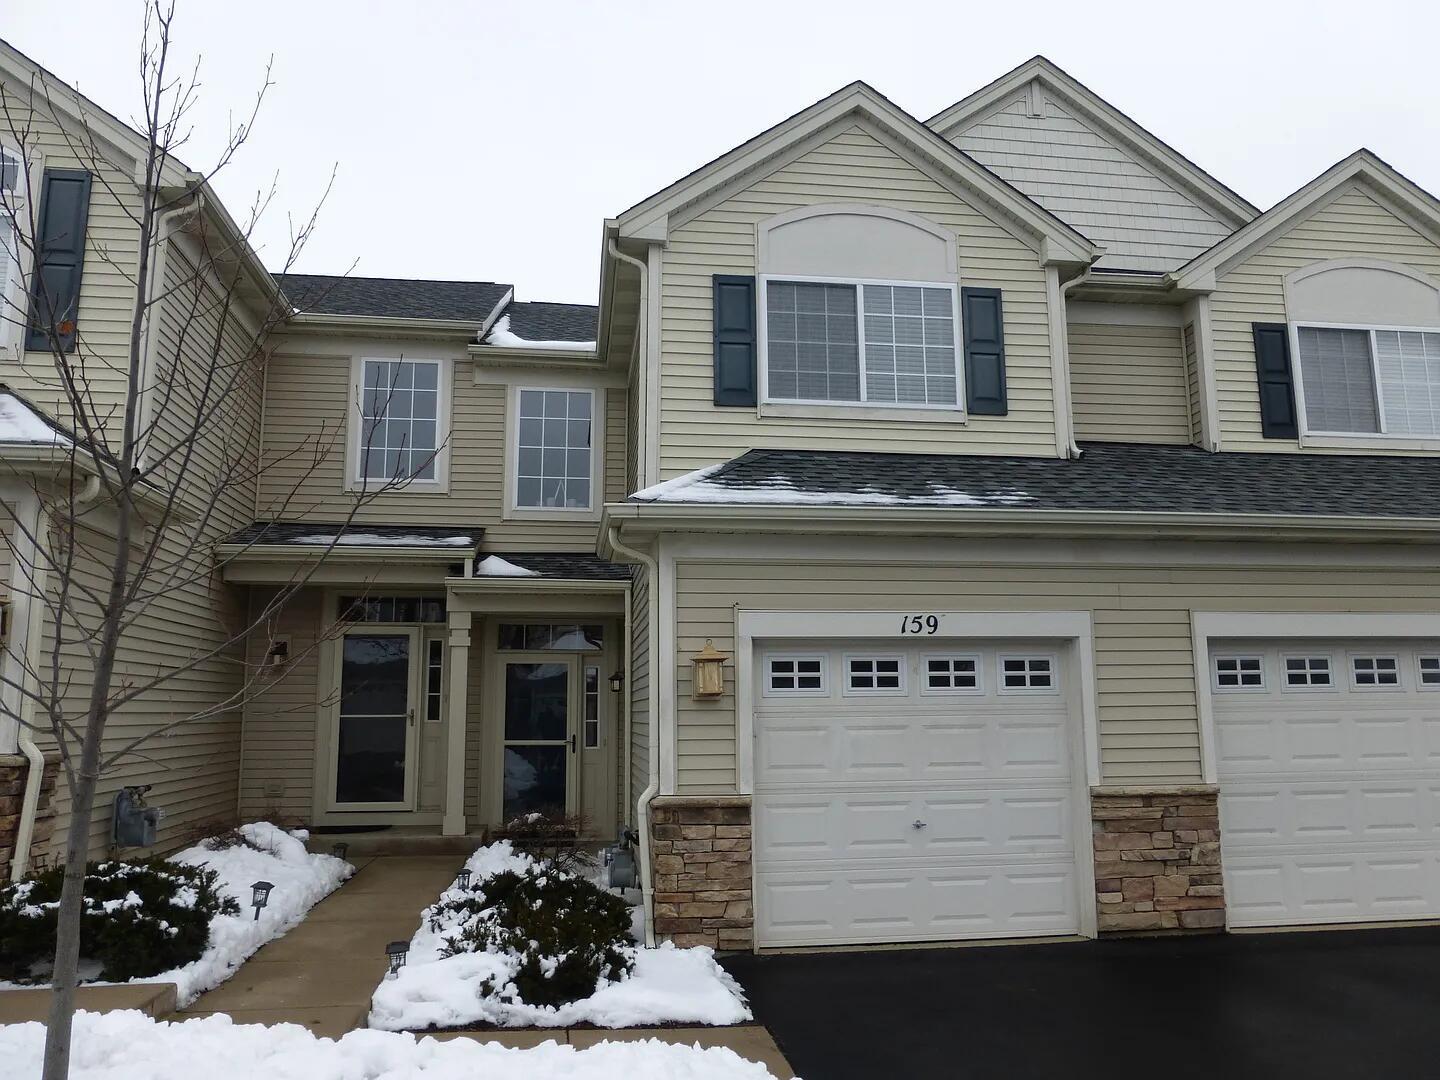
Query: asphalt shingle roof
1107, 477
574, 565
536, 320
355, 535
396, 298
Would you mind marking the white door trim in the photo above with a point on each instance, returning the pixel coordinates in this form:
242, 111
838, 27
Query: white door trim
1075, 627
1205, 625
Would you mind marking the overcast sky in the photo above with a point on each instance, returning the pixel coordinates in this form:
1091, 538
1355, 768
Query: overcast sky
489, 140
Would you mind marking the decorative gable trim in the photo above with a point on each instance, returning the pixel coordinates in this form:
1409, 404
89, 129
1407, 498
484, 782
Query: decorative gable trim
857, 104
1173, 166
1362, 170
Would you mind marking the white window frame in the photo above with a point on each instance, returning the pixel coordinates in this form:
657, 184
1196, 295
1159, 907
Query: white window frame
444, 378
946, 412
767, 690
1354, 439
1215, 684
14, 304
1398, 684
516, 512
901, 669
1053, 688
1307, 687
926, 690
1420, 683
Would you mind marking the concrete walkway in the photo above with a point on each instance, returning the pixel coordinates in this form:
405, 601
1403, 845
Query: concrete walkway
750, 1041
322, 973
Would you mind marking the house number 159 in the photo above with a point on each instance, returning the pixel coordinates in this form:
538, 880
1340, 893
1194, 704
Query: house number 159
920, 624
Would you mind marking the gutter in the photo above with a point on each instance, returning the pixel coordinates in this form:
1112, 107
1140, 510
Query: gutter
652, 694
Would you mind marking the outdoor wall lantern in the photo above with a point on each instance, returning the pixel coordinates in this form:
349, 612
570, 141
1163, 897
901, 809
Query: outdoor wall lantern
617, 682
395, 954
462, 879
278, 655
260, 896
708, 672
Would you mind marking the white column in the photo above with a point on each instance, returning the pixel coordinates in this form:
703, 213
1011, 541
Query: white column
458, 662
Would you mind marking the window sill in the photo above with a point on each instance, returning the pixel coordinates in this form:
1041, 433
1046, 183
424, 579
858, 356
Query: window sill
863, 412
1370, 442
410, 487
566, 516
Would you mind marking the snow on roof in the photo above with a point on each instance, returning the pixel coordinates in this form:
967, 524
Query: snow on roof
361, 539
19, 423
494, 566
501, 334
697, 487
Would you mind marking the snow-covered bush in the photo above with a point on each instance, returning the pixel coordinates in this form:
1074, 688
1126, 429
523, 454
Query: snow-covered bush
139, 918
548, 838
562, 933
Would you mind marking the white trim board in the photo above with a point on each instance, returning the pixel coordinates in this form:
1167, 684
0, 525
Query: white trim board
1226, 625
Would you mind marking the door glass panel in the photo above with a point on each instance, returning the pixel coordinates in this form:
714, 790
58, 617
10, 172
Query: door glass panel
536, 700
374, 699
535, 780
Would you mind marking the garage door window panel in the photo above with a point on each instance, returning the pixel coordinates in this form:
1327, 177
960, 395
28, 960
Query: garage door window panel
951, 675
1238, 674
795, 674
1307, 673
1029, 675
1375, 672
867, 674
1429, 671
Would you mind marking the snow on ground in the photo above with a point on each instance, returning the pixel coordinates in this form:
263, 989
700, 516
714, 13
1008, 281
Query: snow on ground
494, 566
301, 881
697, 487
131, 1046
501, 334
668, 985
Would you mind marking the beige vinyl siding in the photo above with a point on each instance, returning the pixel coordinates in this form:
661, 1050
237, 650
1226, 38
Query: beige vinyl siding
308, 404
1193, 390
1353, 224
1128, 384
854, 165
1145, 674
639, 718
1143, 221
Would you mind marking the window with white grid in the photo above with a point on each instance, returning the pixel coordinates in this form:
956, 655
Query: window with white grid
1019, 674
874, 675
554, 463
861, 342
1429, 667
11, 192
952, 674
1239, 673
795, 675
1307, 671
1375, 671
1375, 380
400, 420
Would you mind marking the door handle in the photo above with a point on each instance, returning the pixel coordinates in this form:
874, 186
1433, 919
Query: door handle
918, 824
572, 744
410, 717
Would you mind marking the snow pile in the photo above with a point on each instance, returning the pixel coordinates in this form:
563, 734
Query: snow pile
501, 334
697, 487
668, 985
132, 1046
494, 566
270, 854
375, 540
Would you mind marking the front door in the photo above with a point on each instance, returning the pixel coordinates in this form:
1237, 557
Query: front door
540, 735
375, 737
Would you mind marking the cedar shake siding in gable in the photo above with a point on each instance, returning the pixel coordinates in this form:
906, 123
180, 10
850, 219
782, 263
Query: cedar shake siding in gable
1353, 224
854, 165
1127, 384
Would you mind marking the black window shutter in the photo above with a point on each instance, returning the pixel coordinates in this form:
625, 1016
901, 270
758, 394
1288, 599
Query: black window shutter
55, 285
1277, 390
735, 338
984, 321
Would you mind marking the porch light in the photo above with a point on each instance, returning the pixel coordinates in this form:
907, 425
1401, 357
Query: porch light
395, 954
339, 850
279, 654
260, 896
707, 679
462, 879
617, 682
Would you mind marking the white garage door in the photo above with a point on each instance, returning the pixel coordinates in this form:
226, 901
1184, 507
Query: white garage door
1329, 766
912, 794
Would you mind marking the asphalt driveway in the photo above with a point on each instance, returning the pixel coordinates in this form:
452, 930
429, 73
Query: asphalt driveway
1308, 1006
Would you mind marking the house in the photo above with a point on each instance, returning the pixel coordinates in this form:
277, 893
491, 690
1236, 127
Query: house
985, 527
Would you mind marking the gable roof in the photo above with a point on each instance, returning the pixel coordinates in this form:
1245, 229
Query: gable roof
476, 302
1401, 194
1056, 240
1228, 205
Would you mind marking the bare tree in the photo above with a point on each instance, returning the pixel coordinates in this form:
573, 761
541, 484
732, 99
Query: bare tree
157, 455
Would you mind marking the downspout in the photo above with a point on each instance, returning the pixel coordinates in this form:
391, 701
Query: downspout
27, 582
1084, 276
642, 336
652, 693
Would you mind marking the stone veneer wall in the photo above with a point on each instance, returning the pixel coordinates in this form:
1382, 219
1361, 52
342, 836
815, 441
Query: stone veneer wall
1157, 858
13, 770
701, 849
